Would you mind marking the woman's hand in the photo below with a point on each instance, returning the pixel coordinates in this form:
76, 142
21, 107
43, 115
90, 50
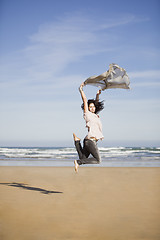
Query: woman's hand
81, 87
97, 95
99, 91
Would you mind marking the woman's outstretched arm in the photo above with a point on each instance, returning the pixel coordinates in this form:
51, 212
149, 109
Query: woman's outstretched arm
84, 99
97, 95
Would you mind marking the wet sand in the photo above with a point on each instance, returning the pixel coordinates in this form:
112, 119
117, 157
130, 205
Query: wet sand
49, 203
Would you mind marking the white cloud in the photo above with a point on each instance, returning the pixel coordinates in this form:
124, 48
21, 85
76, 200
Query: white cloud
52, 48
79, 28
58, 44
152, 74
123, 20
151, 84
149, 78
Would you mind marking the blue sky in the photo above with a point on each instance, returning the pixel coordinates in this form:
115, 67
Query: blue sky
47, 48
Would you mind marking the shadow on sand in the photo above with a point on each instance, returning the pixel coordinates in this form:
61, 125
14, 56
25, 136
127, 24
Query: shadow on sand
25, 186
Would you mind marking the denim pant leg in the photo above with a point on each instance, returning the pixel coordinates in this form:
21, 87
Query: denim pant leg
82, 152
91, 148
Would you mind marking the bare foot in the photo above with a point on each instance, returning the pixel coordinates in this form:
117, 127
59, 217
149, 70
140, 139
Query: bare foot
75, 137
76, 166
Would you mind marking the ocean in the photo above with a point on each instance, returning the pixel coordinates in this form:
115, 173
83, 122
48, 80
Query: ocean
65, 156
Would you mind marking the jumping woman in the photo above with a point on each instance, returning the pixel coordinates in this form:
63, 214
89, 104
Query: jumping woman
94, 125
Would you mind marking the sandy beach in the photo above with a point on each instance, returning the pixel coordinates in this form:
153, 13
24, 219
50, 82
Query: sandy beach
51, 203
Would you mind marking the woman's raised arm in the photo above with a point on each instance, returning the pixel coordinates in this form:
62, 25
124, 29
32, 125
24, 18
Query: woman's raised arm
84, 99
97, 95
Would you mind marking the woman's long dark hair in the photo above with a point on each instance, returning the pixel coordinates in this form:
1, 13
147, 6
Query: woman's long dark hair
98, 105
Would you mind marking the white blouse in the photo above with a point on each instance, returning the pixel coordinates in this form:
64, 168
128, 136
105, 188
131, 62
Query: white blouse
94, 125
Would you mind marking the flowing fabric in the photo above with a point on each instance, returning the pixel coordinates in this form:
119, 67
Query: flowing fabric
115, 77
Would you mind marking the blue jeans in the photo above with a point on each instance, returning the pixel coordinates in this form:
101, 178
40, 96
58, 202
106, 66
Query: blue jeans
89, 147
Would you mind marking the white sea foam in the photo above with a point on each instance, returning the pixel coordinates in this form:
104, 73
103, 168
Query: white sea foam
108, 154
